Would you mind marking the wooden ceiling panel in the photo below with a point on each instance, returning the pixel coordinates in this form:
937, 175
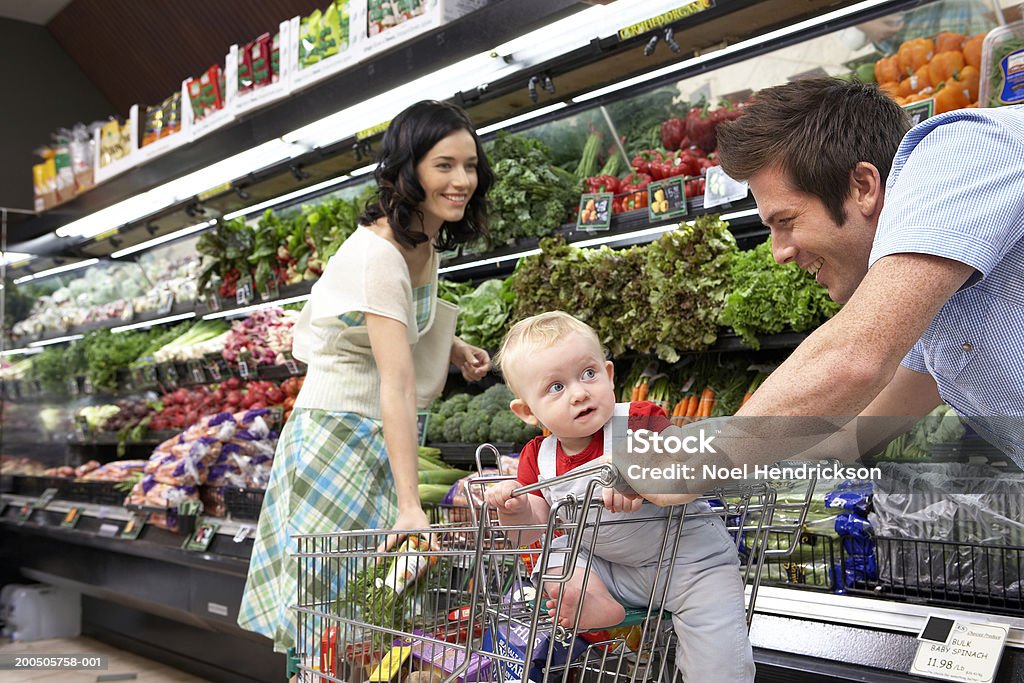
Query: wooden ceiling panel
139, 51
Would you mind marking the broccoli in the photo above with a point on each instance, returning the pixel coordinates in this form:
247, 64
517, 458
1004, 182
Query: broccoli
525, 433
435, 427
492, 401
475, 428
505, 427
455, 404
452, 427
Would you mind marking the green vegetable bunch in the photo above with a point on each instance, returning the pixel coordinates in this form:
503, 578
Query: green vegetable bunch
484, 313
768, 298
479, 419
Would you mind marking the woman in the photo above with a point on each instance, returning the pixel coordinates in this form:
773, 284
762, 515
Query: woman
378, 343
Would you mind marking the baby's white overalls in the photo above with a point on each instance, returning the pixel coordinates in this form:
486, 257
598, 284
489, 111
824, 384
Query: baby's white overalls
705, 595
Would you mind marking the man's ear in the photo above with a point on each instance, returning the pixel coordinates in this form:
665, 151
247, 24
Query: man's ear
866, 189
523, 412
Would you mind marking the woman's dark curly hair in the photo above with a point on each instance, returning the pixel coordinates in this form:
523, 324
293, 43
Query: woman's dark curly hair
409, 137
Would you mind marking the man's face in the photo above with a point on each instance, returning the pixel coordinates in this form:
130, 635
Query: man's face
804, 232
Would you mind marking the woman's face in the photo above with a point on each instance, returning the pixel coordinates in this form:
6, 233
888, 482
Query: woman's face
447, 173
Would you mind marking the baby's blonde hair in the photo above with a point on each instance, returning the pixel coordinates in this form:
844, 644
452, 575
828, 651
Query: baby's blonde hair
540, 331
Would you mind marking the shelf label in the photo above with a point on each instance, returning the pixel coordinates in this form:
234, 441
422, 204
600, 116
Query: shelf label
213, 369
166, 303
213, 302
595, 211
243, 369
290, 364
73, 386
108, 530
127, 312
195, 369
70, 520
243, 293
25, 512
202, 537
373, 130
721, 189
422, 421
954, 650
271, 289
87, 387
217, 608
45, 498
133, 527
170, 373
666, 198
242, 533
919, 111
665, 18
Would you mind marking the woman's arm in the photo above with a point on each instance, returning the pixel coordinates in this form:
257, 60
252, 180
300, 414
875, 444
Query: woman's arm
398, 408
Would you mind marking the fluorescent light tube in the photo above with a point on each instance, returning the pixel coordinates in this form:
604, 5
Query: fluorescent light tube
286, 197
249, 309
151, 323
363, 171
9, 257
56, 340
487, 261
21, 352
520, 118
59, 269
149, 244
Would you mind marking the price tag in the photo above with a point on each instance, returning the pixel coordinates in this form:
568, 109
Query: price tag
243, 293
666, 198
25, 512
721, 189
170, 373
82, 426
276, 413
595, 211
202, 537
133, 527
919, 111
213, 302
103, 512
243, 369
213, 369
73, 386
70, 520
271, 290
108, 530
422, 420
954, 650
166, 303
45, 498
127, 313
242, 533
190, 508
291, 365
149, 374
87, 387
196, 371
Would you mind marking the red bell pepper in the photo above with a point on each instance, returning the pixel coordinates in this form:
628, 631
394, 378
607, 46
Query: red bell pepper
634, 182
602, 183
672, 133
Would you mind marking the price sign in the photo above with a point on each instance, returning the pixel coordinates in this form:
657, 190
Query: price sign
276, 413
919, 111
212, 302
87, 387
213, 369
721, 189
133, 527
202, 537
170, 374
196, 371
291, 365
242, 533
243, 369
149, 374
166, 303
271, 290
45, 498
954, 650
595, 211
82, 426
422, 420
127, 313
73, 386
70, 520
25, 512
243, 293
108, 530
666, 198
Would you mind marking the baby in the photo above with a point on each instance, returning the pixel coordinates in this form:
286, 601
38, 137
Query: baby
557, 370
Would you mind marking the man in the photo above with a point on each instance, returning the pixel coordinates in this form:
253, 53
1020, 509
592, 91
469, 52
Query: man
933, 283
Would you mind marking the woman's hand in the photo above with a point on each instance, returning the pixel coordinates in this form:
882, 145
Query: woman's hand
408, 520
474, 363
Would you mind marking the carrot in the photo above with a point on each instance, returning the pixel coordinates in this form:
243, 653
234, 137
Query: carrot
691, 408
635, 394
643, 391
680, 409
707, 399
746, 397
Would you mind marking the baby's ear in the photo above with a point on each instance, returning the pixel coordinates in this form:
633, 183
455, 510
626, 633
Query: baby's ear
523, 412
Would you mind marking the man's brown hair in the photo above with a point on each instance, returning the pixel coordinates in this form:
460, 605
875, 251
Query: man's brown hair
816, 130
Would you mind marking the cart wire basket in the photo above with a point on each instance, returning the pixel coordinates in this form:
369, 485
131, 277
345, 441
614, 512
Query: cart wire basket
455, 602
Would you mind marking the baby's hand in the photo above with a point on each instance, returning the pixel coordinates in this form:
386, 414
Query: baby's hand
499, 496
616, 501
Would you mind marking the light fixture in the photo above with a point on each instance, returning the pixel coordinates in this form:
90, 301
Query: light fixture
487, 261
9, 257
59, 269
520, 118
25, 351
56, 340
149, 244
151, 323
736, 47
363, 171
249, 210
254, 307
738, 214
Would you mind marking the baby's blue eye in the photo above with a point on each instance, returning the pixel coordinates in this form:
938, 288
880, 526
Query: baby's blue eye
555, 388
589, 373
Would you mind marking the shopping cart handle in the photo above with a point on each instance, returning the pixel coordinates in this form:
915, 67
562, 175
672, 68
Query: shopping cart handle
605, 474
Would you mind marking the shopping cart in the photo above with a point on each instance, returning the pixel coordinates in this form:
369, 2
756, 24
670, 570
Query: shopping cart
454, 602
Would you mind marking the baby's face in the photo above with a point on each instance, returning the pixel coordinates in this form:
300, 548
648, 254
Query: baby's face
568, 387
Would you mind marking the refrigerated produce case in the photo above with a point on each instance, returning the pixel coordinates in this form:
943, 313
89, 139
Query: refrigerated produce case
823, 614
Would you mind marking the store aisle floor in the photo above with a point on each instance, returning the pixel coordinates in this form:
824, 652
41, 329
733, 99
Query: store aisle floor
121, 665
